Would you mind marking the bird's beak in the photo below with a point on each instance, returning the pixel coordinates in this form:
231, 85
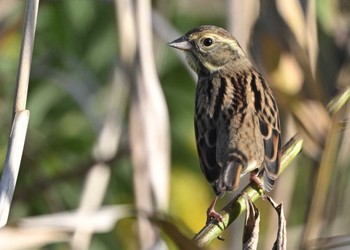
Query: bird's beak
181, 43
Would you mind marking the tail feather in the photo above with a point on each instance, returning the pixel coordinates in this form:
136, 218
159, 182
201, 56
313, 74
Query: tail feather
230, 176
272, 160
269, 182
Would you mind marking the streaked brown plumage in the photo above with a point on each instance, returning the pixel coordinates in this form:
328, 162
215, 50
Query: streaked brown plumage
236, 116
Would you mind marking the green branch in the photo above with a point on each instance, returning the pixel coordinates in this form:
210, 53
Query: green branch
237, 206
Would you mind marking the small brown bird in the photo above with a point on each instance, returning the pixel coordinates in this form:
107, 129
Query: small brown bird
236, 116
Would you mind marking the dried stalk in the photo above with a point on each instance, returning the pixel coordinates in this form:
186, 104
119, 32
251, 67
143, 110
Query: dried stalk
20, 114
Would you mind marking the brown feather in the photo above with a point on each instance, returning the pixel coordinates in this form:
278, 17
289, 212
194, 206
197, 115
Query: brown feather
236, 117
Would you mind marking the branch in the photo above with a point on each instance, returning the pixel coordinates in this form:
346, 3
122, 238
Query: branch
237, 206
25, 59
20, 114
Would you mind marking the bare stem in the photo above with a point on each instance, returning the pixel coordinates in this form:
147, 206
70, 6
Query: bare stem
26, 55
20, 114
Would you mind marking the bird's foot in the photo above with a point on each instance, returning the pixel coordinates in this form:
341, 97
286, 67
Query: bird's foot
254, 177
212, 214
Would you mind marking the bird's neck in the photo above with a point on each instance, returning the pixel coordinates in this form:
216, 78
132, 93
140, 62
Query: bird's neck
231, 67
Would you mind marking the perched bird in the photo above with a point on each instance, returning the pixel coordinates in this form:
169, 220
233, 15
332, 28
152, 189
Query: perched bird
236, 121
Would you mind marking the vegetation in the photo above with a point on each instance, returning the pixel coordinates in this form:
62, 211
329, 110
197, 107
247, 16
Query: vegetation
110, 161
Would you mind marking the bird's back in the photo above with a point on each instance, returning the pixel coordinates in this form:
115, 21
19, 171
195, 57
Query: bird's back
227, 128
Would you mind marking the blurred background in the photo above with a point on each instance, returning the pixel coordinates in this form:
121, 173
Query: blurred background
111, 135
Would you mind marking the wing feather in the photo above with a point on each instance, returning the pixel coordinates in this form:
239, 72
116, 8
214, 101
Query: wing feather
266, 109
206, 147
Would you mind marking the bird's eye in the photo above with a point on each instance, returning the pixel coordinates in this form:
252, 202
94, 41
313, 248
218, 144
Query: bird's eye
207, 42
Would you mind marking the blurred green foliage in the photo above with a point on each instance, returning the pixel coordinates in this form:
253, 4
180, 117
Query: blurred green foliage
73, 63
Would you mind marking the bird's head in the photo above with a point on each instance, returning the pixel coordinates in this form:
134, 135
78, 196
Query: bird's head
210, 49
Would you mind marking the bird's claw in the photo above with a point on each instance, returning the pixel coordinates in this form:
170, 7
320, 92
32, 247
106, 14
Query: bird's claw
212, 214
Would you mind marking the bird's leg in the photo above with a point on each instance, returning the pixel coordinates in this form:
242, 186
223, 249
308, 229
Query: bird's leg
211, 213
254, 177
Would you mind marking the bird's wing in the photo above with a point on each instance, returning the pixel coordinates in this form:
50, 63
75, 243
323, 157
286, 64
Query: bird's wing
206, 145
206, 135
267, 111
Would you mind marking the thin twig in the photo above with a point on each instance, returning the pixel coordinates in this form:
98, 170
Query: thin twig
25, 59
12, 163
20, 114
323, 179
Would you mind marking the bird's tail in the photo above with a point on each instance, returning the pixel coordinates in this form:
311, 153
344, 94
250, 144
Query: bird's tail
230, 177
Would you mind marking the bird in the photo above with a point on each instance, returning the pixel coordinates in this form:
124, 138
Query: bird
236, 118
